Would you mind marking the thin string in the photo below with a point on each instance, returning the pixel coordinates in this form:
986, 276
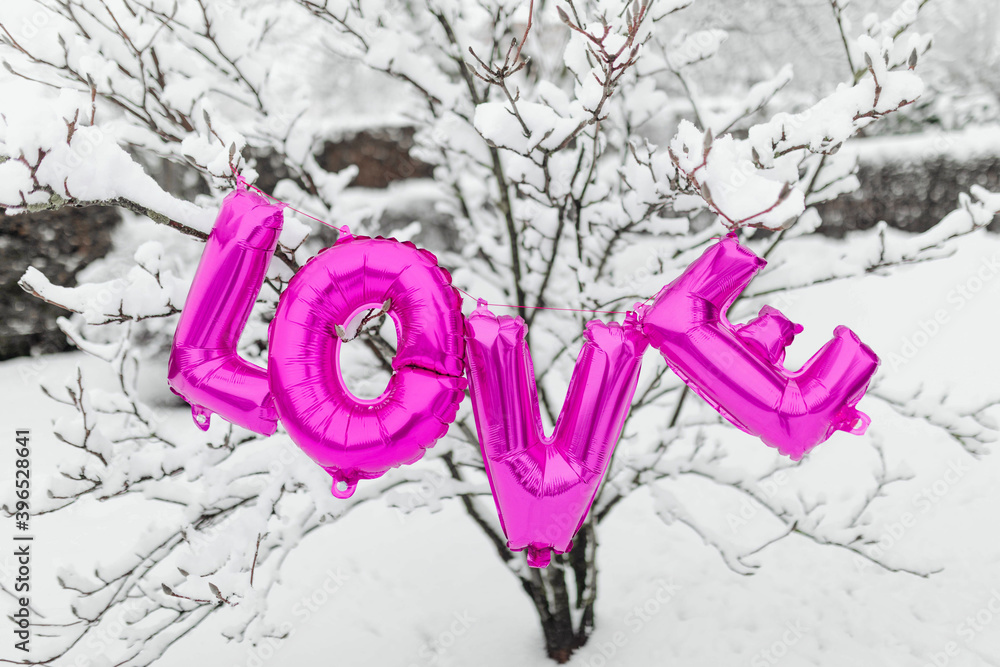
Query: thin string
570, 310
240, 179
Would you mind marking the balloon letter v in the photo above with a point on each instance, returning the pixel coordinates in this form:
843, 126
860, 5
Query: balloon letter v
544, 486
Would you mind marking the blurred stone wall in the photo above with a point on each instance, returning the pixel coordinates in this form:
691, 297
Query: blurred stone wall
909, 194
381, 155
58, 243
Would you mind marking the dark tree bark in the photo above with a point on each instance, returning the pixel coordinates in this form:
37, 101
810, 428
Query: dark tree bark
564, 594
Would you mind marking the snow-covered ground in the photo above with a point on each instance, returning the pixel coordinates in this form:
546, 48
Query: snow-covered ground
384, 588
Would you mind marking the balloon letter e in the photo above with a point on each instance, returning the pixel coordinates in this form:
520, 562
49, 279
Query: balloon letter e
738, 368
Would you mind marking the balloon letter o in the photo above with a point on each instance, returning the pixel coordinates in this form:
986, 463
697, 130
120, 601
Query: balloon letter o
352, 438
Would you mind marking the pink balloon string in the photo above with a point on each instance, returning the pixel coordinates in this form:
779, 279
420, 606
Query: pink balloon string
242, 181
570, 310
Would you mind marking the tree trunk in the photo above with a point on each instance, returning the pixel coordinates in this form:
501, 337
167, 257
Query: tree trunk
564, 594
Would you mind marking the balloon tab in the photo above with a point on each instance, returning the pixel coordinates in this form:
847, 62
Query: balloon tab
202, 417
343, 487
539, 556
856, 423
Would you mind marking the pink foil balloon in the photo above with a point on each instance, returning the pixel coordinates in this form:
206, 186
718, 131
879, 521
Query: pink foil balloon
204, 367
349, 437
544, 486
738, 369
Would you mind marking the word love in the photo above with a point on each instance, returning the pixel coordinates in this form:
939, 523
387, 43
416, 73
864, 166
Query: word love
543, 485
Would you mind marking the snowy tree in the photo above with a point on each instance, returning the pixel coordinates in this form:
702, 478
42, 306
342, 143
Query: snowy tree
569, 191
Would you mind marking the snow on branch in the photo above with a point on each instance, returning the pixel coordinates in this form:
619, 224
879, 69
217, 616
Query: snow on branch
755, 182
722, 172
826, 125
144, 291
49, 160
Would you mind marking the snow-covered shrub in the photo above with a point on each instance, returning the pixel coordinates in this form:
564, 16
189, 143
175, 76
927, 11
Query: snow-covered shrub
542, 126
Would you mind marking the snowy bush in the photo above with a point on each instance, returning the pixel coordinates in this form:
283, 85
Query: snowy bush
541, 122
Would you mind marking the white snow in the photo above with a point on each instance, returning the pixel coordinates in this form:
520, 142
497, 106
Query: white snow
497, 123
696, 47
738, 188
385, 587
968, 144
